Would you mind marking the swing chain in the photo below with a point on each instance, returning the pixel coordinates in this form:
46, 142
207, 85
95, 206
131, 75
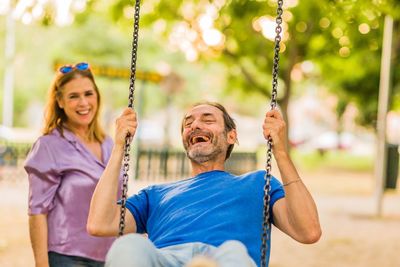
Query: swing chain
267, 177
135, 40
128, 138
277, 48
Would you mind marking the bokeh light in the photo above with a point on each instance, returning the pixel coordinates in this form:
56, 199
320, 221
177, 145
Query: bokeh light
364, 28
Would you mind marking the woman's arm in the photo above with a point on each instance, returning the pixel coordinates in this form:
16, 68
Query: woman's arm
38, 235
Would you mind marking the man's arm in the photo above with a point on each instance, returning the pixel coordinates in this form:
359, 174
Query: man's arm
103, 219
38, 234
296, 214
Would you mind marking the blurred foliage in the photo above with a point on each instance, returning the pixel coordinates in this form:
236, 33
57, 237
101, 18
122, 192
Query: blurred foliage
325, 33
356, 77
96, 39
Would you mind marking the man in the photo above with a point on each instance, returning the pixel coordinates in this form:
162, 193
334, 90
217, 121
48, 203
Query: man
211, 219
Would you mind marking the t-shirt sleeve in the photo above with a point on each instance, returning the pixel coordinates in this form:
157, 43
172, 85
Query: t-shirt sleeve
277, 193
44, 178
138, 205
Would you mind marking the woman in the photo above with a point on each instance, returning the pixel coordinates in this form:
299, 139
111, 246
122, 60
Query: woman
64, 166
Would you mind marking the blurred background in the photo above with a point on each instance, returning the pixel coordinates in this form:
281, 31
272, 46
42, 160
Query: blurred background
339, 90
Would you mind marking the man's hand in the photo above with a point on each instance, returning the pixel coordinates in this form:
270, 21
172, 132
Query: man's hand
275, 127
125, 124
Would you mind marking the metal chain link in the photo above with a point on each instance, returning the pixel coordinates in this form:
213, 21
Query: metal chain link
127, 147
267, 177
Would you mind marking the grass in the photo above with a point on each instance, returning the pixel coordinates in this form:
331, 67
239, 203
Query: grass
335, 159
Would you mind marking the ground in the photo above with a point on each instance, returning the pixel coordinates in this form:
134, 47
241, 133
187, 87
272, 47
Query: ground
353, 236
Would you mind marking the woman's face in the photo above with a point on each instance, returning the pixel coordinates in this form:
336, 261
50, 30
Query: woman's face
79, 101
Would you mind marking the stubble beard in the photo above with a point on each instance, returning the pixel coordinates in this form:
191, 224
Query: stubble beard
202, 155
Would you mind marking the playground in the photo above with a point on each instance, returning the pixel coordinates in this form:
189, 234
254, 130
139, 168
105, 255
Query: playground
352, 235
332, 80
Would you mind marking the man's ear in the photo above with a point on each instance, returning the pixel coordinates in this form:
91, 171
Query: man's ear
232, 137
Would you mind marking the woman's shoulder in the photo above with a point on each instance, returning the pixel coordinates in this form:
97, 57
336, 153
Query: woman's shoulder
52, 141
51, 138
44, 148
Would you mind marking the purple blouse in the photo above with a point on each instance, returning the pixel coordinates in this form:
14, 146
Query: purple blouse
63, 174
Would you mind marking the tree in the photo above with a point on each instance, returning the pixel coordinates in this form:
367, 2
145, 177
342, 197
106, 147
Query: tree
341, 38
353, 71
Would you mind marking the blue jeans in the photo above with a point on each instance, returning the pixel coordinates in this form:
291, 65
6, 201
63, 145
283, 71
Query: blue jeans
61, 260
134, 250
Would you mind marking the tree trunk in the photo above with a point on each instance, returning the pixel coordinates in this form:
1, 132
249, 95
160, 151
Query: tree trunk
284, 100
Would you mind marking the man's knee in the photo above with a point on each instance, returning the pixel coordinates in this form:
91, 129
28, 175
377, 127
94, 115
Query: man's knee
234, 247
131, 250
233, 253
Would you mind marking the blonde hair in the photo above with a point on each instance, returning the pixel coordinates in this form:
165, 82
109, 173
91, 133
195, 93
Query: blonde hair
55, 117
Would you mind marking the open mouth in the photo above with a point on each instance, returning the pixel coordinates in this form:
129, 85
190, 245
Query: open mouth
197, 139
83, 112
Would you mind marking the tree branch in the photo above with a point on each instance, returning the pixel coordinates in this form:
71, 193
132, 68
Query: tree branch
247, 75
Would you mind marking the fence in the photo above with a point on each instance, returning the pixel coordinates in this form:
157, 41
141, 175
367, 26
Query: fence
12, 156
11, 153
158, 165
148, 164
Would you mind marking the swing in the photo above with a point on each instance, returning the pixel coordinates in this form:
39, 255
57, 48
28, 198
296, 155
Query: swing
267, 178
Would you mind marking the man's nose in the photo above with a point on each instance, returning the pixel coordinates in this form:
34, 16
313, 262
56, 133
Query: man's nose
196, 124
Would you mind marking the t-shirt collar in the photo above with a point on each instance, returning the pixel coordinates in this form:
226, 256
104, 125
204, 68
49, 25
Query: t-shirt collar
210, 173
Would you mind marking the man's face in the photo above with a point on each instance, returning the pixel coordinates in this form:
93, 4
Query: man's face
204, 137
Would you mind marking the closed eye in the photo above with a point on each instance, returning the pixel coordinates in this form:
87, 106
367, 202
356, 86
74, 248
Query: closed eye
188, 123
73, 96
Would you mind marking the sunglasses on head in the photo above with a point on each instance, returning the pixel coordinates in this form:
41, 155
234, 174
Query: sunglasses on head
79, 66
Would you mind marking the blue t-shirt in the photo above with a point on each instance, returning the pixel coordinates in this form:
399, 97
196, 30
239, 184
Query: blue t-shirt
211, 208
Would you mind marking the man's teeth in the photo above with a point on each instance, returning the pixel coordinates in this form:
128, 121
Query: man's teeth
200, 139
83, 112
